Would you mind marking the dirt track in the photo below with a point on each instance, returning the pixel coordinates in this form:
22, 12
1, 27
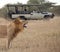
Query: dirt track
39, 36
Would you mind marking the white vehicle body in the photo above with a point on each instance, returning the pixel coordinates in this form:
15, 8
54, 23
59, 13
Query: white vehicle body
33, 15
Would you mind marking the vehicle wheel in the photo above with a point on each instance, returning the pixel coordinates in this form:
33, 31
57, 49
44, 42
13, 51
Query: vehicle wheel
52, 16
23, 18
46, 16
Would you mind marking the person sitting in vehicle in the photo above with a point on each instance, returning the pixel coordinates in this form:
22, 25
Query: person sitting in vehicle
25, 9
16, 9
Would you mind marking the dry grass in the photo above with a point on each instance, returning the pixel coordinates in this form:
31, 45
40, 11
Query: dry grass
39, 36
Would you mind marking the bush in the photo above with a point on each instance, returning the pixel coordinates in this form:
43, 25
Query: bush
56, 10
3, 12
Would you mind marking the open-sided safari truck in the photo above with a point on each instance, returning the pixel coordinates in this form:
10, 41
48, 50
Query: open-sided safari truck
24, 12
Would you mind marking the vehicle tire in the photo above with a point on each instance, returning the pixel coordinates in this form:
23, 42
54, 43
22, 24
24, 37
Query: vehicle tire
23, 18
46, 16
52, 16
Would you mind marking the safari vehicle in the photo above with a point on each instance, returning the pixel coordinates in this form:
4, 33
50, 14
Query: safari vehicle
22, 12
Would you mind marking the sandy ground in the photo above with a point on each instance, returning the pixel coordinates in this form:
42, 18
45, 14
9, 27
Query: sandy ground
39, 36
